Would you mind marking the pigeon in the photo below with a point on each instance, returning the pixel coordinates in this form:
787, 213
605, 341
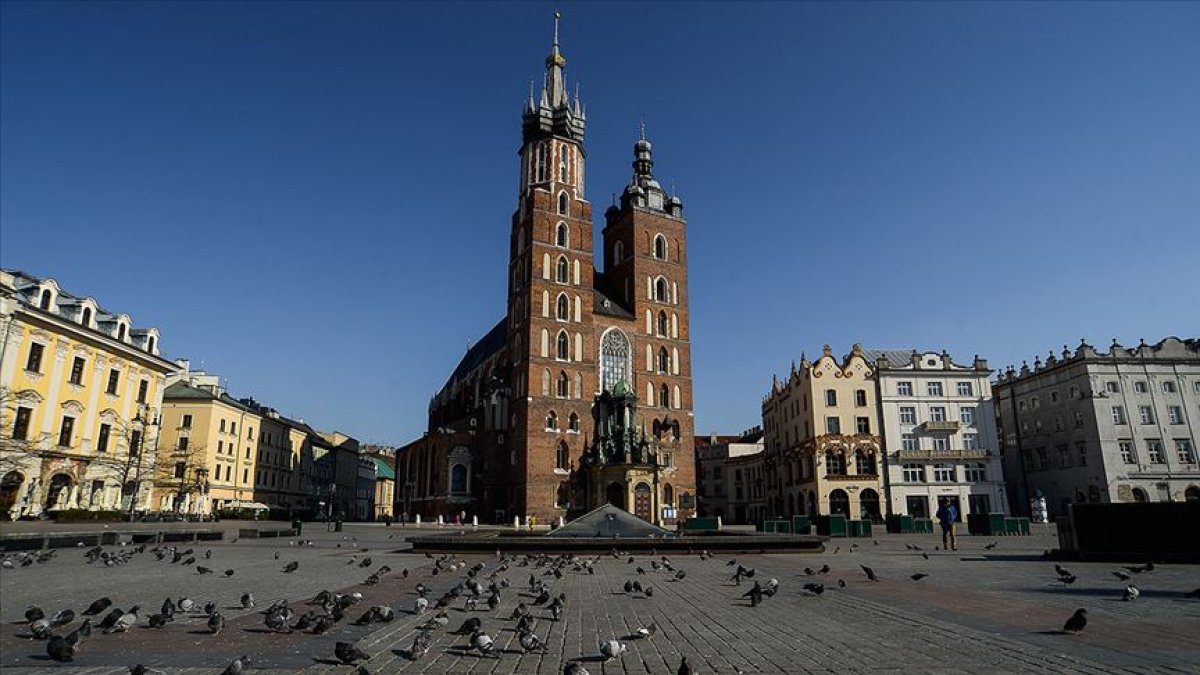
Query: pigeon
41, 629
291, 567
918, 576
925, 555
59, 649
841, 583
168, 610
422, 604
62, 618
870, 573
247, 600
210, 608
755, 594
34, 613
482, 642
628, 586
611, 649
808, 571
158, 621
203, 570
991, 546
647, 632
347, 653
186, 604
229, 573
815, 589
529, 641
1068, 580
216, 622
420, 645
439, 620
1062, 571
1077, 621
1192, 594
81, 634
824, 569
469, 626
125, 621
1131, 592
110, 619
575, 668
208, 554
684, 667
97, 607
238, 666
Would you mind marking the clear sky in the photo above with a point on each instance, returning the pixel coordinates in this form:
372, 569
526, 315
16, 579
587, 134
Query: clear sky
313, 199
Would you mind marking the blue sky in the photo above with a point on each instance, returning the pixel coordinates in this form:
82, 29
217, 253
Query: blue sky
313, 199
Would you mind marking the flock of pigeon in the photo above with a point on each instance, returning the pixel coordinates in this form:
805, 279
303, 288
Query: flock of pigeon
479, 589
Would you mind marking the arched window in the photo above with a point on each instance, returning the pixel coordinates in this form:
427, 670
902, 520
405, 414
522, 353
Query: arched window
562, 203
573, 422
562, 166
564, 308
562, 234
668, 495
44, 303
660, 247
664, 360
541, 162
564, 495
546, 382
552, 420
563, 456
864, 462
563, 347
663, 394
839, 502
458, 479
618, 253
86, 319
661, 293
662, 323
564, 386
578, 385
614, 359
835, 463
563, 273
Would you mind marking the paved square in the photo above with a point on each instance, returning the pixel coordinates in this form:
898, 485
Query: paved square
977, 611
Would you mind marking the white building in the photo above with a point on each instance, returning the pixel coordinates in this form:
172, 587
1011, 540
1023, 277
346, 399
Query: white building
1115, 426
938, 429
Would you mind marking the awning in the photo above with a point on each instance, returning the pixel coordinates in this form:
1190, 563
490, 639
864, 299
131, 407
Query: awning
256, 506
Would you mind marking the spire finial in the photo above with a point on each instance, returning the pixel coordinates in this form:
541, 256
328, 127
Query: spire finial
642, 128
557, 16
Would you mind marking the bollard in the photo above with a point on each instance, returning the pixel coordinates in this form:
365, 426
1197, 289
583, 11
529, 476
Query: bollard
417, 520
516, 522
474, 521
719, 523
439, 522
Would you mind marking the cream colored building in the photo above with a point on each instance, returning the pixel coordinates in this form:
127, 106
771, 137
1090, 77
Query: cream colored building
822, 451
80, 395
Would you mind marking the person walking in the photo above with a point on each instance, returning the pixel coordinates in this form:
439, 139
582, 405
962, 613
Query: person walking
947, 515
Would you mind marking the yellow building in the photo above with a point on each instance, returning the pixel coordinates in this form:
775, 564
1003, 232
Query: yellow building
208, 451
80, 395
822, 448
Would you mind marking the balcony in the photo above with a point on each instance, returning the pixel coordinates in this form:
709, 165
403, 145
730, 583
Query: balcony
946, 426
930, 455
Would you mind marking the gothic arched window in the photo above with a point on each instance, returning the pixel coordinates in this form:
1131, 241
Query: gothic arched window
564, 386
562, 202
541, 162
664, 396
563, 274
552, 420
573, 422
662, 323
563, 456
564, 308
660, 247
661, 293
614, 359
563, 347
561, 234
664, 360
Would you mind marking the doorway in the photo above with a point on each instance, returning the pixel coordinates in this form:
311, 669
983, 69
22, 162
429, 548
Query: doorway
918, 507
641, 501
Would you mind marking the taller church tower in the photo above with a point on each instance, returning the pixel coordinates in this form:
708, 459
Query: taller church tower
550, 298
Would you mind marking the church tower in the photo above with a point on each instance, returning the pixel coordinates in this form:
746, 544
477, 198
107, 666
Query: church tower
550, 300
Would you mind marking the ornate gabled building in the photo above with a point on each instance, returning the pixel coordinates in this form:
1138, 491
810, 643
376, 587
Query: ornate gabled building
822, 445
582, 394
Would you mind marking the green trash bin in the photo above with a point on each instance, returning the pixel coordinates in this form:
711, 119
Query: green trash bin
867, 526
801, 525
832, 526
1012, 526
1023, 525
855, 528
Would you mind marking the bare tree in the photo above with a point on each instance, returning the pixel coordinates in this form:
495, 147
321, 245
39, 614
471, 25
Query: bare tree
181, 471
17, 445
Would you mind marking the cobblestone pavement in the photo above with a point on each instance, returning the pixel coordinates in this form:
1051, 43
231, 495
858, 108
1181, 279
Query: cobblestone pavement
977, 611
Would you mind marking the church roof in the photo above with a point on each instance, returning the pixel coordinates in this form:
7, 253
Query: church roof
603, 300
609, 521
479, 352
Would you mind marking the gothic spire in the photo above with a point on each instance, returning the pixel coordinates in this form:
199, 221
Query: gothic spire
556, 86
554, 113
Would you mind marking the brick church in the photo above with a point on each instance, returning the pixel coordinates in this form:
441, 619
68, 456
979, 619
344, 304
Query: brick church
582, 394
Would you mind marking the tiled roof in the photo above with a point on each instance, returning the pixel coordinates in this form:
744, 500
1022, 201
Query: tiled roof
895, 357
480, 351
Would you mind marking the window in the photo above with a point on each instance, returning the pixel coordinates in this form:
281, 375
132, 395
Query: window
1196, 386
1168, 387
561, 234
563, 390
941, 444
65, 431
233, 427
1033, 403
862, 425
614, 359
835, 463
864, 463
1112, 387
663, 396
860, 397
976, 473
1183, 450
914, 473
662, 323
563, 273
562, 197
563, 347
937, 413
1126, 448
1073, 392
908, 442
221, 447
21, 425
660, 247
563, 310
1064, 456
970, 441
830, 397
573, 422
904, 388
250, 433
833, 425
1154, 451
563, 457
121, 332
142, 387
965, 389
114, 379
1175, 414
933, 388
1118, 414
1140, 387
966, 415
541, 162
1054, 397
552, 420
1078, 417
187, 422
34, 363
44, 303
1146, 414
943, 473
1042, 461
180, 469
1058, 423
660, 290
908, 414
1081, 452
183, 444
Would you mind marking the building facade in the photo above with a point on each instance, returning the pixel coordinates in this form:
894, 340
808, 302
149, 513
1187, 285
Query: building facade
938, 434
1090, 426
80, 396
582, 394
722, 489
822, 448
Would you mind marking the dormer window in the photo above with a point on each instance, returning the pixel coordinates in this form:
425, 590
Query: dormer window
121, 332
150, 344
44, 301
86, 318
